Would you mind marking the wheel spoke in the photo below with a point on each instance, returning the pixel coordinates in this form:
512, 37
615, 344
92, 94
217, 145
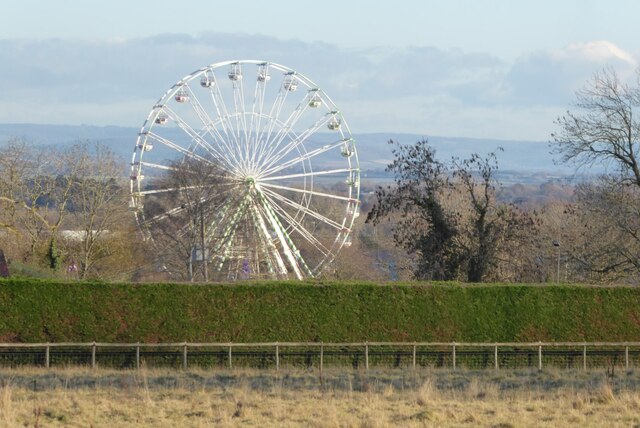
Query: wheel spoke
258, 109
179, 148
165, 190
306, 174
226, 240
241, 120
291, 252
300, 159
285, 129
209, 126
274, 155
175, 210
274, 113
269, 246
298, 227
221, 110
199, 140
306, 210
308, 192
262, 213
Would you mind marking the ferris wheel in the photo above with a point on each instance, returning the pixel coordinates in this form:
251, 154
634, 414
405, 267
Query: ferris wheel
246, 169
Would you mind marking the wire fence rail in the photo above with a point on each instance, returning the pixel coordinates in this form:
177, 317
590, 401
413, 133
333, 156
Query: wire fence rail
318, 355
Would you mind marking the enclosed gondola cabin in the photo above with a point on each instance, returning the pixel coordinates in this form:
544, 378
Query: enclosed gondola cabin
290, 82
334, 124
206, 81
161, 119
315, 101
235, 74
182, 96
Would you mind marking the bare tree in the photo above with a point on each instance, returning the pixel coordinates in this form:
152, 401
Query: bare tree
604, 128
24, 186
14, 172
34, 192
608, 217
183, 219
98, 205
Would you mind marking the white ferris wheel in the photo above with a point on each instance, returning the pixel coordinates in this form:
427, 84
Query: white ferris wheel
251, 169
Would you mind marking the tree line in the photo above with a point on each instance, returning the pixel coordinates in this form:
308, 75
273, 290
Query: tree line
440, 219
447, 215
63, 209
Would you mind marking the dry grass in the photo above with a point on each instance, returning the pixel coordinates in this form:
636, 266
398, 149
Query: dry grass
150, 398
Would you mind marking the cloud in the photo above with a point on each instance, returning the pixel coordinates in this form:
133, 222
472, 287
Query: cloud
418, 70
120, 70
552, 77
422, 90
596, 52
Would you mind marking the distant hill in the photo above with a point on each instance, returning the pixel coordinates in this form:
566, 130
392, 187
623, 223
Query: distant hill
524, 158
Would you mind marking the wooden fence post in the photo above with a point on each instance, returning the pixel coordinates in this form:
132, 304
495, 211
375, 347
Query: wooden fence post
93, 355
495, 355
230, 364
321, 357
277, 357
584, 357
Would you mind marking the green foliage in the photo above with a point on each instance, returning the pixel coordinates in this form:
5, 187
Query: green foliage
425, 227
53, 256
43, 310
446, 213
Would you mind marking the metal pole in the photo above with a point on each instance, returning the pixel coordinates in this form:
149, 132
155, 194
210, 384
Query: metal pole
321, 356
184, 356
626, 357
230, 365
205, 267
540, 356
584, 357
277, 357
366, 355
414, 356
453, 355
93, 355
556, 244
138, 356
46, 356
495, 356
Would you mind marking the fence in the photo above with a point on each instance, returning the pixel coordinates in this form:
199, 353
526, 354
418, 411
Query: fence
364, 355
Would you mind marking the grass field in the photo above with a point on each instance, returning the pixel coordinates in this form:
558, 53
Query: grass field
43, 311
82, 397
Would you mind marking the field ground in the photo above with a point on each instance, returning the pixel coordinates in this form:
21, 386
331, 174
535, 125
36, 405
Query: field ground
341, 398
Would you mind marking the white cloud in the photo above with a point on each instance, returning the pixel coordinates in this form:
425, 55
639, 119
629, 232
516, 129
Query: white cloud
552, 77
422, 90
597, 52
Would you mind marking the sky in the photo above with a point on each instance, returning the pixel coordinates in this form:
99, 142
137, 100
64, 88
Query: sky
485, 68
